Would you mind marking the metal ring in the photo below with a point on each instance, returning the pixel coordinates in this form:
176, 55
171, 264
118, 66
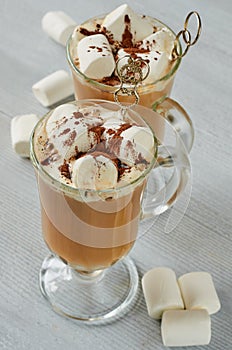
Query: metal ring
187, 38
127, 92
175, 53
199, 25
146, 65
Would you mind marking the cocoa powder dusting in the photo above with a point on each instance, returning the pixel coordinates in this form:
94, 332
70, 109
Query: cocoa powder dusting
66, 131
71, 139
115, 144
87, 32
64, 170
127, 37
141, 160
78, 115
98, 130
122, 128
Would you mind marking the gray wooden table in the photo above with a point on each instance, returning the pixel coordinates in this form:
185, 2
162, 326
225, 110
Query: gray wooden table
203, 238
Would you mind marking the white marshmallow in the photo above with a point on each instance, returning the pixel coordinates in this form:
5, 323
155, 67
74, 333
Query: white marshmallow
111, 124
198, 292
162, 41
186, 327
157, 61
58, 25
89, 26
21, 129
95, 57
89, 172
53, 88
161, 291
115, 23
69, 134
142, 140
136, 141
56, 118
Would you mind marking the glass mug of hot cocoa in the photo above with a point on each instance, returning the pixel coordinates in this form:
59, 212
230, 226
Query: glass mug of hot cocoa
100, 169
95, 47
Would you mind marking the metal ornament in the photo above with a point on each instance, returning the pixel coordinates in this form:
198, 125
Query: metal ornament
186, 35
133, 72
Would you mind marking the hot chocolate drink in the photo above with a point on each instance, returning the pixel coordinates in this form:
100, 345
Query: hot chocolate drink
93, 163
97, 45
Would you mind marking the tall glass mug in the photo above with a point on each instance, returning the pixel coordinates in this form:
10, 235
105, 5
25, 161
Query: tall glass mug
88, 275
151, 95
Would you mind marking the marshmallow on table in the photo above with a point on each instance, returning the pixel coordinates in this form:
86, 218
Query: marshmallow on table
21, 129
186, 327
58, 25
157, 61
161, 291
116, 22
53, 88
198, 292
95, 57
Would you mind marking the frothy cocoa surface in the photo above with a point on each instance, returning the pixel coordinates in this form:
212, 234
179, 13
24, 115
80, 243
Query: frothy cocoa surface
127, 42
91, 229
70, 134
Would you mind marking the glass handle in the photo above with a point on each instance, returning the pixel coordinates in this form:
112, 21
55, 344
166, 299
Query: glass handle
167, 181
179, 119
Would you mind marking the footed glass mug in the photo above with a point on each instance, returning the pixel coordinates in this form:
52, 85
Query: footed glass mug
154, 95
88, 275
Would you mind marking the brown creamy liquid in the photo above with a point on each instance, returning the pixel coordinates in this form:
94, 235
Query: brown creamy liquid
97, 234
87, 90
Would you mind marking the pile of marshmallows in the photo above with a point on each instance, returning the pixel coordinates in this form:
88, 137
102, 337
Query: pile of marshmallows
184, 305
49, 90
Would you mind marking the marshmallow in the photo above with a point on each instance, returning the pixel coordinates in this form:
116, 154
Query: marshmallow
88, 26
142, 145
53, 88
186, 328
95, 57
58, 25
198, 292
21, 129
162, 41
135, 142
90, 172
157, 61
69, 134
161, 291
56, 118
116, 23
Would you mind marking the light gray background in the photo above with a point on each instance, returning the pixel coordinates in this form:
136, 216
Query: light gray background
203, 238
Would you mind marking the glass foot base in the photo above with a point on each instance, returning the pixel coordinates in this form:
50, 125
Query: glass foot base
97, 299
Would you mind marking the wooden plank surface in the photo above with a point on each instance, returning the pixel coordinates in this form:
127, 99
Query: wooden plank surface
203, 238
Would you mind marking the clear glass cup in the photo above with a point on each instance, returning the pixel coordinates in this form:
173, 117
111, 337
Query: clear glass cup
149, 93
153, 95
88, 275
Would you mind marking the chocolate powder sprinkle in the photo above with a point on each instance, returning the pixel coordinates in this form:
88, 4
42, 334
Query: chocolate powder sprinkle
64, 170
115, 144
66, 131
71, 139
127, 35
87, 32
122, 128
78, 115
98, 130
